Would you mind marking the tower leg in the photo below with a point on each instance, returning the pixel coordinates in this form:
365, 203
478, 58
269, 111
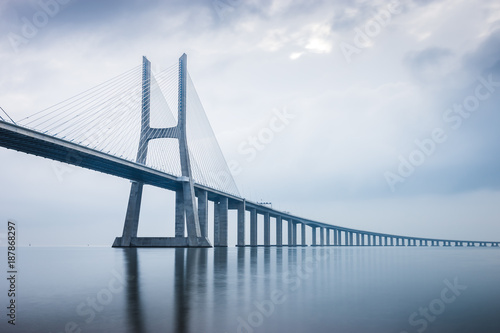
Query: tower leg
192, 221
133, 210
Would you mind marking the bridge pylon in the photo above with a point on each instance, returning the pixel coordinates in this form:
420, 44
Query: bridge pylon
186, 207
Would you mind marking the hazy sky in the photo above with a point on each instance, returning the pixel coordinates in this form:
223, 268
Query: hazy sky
388, 110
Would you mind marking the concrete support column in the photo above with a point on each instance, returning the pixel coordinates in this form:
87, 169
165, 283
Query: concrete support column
253, 227
351, 238
216, 224
223, 216
294, 234
303, 234
203, 212
313, 233
180, 223
220, 222
327, 237
290, 233
241, 223
322, 236
358, 242
335, 238
279, 231
267, 229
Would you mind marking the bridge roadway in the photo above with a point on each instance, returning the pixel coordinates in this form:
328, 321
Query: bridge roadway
32, 142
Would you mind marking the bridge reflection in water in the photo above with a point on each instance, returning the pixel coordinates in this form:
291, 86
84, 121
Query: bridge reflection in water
320, 289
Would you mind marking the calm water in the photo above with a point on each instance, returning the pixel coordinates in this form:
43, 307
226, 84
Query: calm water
257, 290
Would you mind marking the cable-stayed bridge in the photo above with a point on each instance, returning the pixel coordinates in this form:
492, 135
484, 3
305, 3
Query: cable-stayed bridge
151, 128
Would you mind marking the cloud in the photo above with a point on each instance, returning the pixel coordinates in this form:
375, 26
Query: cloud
430, 64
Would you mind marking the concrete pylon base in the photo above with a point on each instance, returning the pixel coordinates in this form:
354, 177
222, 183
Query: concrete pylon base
164, 242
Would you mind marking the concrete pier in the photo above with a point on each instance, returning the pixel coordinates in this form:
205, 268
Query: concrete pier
203, 212
267, 229
241, 223
253, 227
294, 233
303, 234
279, 231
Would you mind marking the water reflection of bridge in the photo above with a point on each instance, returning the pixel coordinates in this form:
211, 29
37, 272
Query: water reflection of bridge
211, 290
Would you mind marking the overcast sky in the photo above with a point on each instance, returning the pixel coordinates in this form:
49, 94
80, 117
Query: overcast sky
388, 111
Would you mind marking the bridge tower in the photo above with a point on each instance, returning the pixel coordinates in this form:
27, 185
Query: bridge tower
186, 208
